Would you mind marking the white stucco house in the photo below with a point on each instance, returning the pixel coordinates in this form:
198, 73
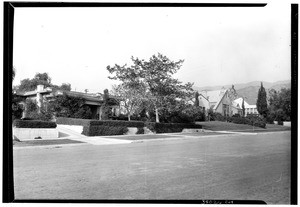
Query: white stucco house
42, 95
249, 109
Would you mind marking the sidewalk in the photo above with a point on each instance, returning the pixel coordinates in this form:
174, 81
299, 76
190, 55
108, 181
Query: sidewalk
97, 140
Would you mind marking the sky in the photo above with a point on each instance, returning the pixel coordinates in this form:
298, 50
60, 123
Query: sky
219, 46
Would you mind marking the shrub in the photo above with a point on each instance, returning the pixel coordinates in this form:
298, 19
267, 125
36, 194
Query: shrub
280, 122
43, 115
33, 124
239, 120
261, 124
104, 130
249, 120
236, 115
215, 116
182, 114
17, 111
140, 130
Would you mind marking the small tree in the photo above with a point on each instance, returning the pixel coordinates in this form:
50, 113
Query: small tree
105, 108
243, 107
261, 104
131, 97
280, 105
33, 111
17, 109
68, 106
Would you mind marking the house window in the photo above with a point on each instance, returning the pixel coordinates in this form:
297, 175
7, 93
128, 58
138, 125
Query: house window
225, 109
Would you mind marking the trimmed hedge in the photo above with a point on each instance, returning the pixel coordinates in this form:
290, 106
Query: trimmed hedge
117, 123
118, 127
72, 121
34, 124
255, 121
104, 130
92, 122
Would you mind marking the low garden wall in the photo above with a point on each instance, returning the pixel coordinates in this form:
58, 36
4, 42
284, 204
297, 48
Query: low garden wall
287, 123
117, 127
284, 123
30, 133
33, 129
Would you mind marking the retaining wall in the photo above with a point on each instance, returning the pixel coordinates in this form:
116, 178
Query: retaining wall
31, 133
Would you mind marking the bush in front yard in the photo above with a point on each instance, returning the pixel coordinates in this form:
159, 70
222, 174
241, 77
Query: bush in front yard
104, 130
140, 130
215, 116
249, 120
116, 123
33, 124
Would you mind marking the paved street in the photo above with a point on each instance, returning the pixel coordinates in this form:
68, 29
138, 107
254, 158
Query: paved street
231, 166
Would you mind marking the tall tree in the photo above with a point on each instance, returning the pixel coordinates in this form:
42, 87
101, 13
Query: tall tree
43, 78
280, 104
65, 87
156, 74
196, 103
243, 106
105, 108
40, 79
261, 103
17, 109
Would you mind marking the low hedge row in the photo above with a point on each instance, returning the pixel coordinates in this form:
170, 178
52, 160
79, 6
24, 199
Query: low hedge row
34, 124
255, 121
91, 122
102, 130
72, 121
117, 127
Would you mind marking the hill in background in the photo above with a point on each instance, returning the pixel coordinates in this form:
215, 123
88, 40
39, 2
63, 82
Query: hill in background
249, 90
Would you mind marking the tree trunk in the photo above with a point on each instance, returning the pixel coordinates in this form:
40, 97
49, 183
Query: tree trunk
100, 113
128, 117
156, 115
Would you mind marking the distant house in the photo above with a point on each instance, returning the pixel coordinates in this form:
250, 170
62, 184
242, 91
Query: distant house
249, 109
236, 108
219, 101
41, 95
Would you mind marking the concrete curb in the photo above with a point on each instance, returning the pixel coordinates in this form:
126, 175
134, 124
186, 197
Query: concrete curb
52, 146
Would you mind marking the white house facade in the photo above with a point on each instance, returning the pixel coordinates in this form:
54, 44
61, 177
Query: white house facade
249, 109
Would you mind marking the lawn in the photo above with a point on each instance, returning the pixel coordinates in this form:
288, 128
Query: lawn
226, 126
163, 136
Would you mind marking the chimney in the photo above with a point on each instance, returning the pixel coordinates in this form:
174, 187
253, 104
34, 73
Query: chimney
39, 88
39, 96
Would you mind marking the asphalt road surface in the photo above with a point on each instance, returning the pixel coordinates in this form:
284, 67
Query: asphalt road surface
239, 167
